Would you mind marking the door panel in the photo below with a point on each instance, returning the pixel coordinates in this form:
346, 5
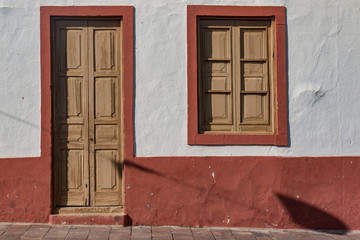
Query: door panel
87, 100
73, 52
104, 49
70, 111
104, 115
107, 179
105, 98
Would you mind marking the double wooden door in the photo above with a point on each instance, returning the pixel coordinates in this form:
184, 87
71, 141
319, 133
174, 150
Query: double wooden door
87, 112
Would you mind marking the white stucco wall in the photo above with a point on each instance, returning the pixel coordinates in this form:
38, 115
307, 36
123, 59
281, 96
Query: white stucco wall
323, 76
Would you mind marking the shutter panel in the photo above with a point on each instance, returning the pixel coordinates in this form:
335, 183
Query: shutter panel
216, 77
254, 90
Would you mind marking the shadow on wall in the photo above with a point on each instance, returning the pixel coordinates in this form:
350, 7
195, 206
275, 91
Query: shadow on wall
22, 121
301, 213
173, 179
311, 217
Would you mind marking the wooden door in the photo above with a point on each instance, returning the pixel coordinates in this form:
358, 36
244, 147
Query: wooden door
87, 112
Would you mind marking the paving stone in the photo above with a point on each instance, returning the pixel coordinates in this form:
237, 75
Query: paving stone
62, 232
4, 226
15, 231
98, 235
181, 233
243, 235
121, 229
120, 233
79, 229
78, 232
283, 235
265, 238
76, 238
302, 236
222, 234
36, 232
54, 238
18, 228
58, 231
354, 236
321, 236
101, 229
202, 234
262, 235
60, 228
161, 233
102, 232
10, 236
343, 236
141, 233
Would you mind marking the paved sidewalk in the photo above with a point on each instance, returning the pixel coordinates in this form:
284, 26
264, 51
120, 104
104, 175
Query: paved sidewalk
46, 231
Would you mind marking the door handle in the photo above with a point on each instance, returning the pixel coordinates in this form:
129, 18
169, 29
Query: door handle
91, 139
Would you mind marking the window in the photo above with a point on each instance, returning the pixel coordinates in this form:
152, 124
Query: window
236, 75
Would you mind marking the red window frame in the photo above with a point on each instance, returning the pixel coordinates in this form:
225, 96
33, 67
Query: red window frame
280, 137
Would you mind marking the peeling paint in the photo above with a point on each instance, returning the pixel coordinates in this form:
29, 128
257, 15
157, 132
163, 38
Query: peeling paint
213, 176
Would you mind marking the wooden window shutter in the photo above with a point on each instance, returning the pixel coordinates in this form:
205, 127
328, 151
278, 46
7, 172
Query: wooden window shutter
216, 91
235, 76
254, 77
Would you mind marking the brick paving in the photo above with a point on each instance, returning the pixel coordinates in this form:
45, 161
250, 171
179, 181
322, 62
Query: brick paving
9, 231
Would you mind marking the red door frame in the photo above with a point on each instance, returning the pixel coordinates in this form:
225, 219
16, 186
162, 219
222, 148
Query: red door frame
127, 15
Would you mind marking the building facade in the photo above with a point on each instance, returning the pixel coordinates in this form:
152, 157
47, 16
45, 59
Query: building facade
189, 113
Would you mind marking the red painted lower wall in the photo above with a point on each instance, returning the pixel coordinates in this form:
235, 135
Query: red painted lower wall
25, 189
313, 193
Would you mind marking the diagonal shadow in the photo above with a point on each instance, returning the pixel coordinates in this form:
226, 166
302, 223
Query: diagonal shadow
311, 217
149, 170
303, 214
22, 121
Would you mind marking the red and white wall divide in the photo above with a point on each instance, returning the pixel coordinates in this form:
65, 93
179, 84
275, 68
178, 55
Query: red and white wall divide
306, 178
